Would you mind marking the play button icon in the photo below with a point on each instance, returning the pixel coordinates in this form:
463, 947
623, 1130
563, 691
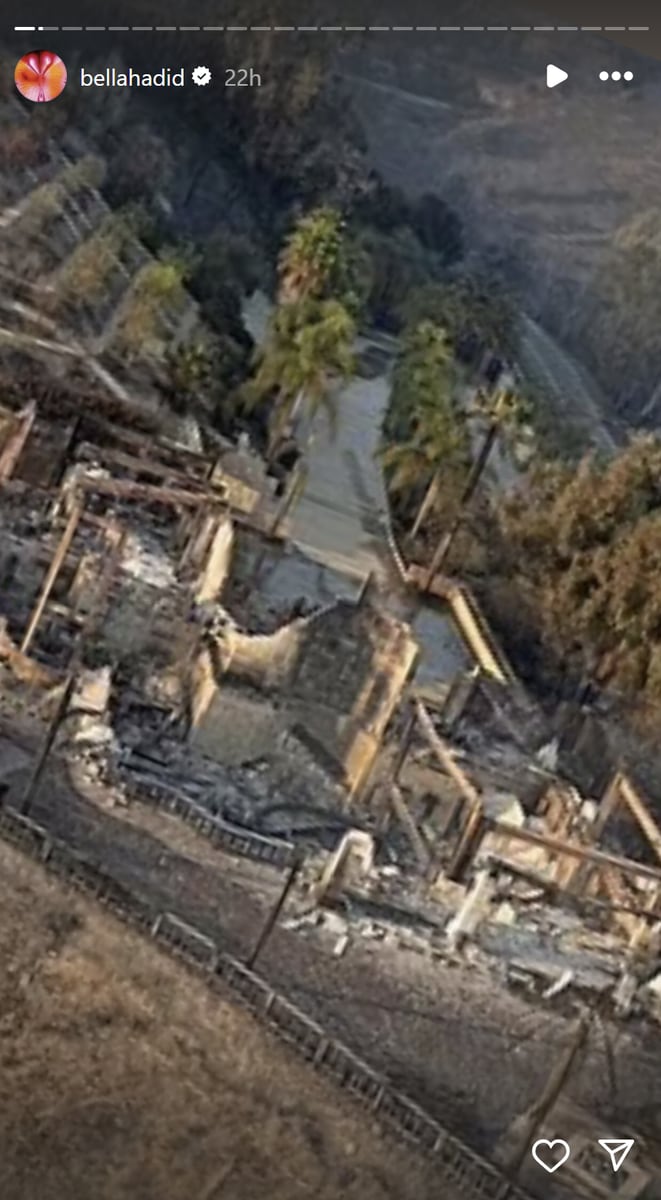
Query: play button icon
555, 75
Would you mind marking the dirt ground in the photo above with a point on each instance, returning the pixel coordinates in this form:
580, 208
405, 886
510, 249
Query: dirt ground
458, 1041
121, 1075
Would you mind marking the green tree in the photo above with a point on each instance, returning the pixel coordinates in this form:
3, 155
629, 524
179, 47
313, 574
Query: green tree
140, 166
311, 264
225, 268
225, 262
584, 548
400, 265
308, 350
157, 289
22, 146
190, 368
477, 314
45, 202
381, 206
501, 411
428, 439
438, 227
84, 276
87, 172
622, 325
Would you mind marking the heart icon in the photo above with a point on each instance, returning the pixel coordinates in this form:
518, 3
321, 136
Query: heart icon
551, 1155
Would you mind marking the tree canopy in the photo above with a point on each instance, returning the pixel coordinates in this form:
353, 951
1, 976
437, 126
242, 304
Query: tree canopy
311, 263
477, 313
308, 349
426, 440
585, 548
622, 326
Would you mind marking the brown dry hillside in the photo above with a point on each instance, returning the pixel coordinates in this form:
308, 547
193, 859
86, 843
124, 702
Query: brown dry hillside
542, 179
552, 173
121, 1076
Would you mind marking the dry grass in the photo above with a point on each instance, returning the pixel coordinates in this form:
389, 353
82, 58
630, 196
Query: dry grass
122, 1076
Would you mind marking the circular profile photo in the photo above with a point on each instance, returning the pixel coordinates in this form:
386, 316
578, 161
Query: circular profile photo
40, 75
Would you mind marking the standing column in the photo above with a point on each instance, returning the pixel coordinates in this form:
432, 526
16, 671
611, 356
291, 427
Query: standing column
52, 574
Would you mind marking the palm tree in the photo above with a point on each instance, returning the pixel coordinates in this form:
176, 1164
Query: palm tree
433, 451
428, 433
190, 368
309, 347
311, 256
501, 410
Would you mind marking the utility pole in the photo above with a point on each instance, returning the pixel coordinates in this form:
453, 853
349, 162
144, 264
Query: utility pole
531, 1121
272, 918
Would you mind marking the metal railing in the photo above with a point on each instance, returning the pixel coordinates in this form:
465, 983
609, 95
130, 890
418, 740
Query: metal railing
235, 839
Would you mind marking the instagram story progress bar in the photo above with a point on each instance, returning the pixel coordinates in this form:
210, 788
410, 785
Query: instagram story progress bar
346, 28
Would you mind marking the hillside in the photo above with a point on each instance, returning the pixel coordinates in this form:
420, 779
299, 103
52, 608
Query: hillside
122, 1076
542, 179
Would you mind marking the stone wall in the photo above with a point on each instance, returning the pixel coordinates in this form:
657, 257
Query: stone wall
336, 677
235, 727
217, 562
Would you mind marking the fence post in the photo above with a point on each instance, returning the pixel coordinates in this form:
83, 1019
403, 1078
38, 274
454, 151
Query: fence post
272, 918
60, 714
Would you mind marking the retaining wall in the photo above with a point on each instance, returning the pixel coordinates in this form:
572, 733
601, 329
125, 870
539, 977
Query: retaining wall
477, 634
471, 621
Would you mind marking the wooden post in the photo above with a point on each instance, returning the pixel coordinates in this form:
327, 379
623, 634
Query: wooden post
61, 711
404, 746
608, 806
532, 1121
468, 844
67, 453
272, 918
445, 756
17, 441
52, 574
400, 808
200, 532
384, 815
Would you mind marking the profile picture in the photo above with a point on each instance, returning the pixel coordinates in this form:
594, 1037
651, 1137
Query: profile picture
40, 75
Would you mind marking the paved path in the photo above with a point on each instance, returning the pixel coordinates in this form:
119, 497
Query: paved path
342, 515
340, 522
341, 519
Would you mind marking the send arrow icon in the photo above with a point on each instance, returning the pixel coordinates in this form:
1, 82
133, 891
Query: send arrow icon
555, 75
617, 1149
